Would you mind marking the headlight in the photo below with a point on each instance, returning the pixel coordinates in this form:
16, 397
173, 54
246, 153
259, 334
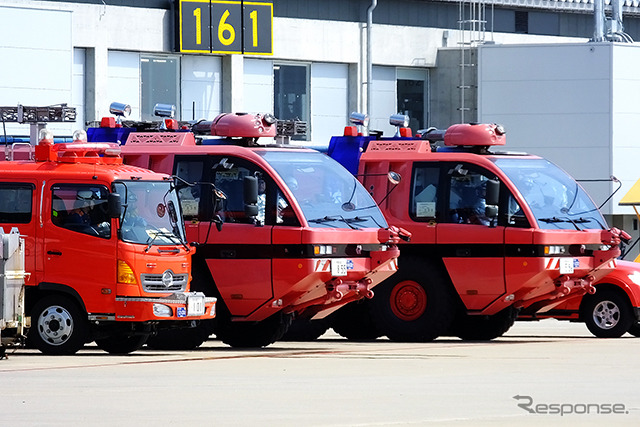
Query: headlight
555, 250
322, 250
161, 310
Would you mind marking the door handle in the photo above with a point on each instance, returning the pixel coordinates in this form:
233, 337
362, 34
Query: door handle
57, 253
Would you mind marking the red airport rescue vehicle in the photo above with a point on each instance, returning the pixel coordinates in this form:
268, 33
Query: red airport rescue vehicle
295, 234
104, 246
494, 234
615, 307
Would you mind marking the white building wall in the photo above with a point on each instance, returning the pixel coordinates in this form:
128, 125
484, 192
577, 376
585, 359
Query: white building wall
36, 66
329, 95
123, 82
554, 101
258, 85
101, 30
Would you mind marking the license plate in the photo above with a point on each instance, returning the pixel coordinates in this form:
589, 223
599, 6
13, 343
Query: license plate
338, 267
195, 305
566, 265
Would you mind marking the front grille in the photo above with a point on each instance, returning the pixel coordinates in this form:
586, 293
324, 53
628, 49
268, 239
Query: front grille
155, 283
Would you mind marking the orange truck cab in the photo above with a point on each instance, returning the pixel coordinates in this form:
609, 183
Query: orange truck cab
494, 234
295, 235
104, 247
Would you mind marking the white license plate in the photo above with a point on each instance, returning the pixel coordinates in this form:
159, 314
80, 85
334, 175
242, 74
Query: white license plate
195, 305
566, 265
338, 267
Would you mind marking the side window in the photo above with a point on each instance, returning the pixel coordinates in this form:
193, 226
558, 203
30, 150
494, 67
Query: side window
15, 203
191, 197
228, 174
515, 216
424, 192
81, 208
467, 195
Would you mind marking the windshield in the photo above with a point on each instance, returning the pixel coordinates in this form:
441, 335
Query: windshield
556, 199
327, 193
150, 213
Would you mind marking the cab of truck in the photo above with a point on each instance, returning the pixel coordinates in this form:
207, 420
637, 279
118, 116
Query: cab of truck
494, 233
105, 247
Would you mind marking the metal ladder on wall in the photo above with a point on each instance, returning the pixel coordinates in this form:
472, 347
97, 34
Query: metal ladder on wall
472, 25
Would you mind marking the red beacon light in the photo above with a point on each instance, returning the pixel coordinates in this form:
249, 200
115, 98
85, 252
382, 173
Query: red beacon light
244, 125
475, 135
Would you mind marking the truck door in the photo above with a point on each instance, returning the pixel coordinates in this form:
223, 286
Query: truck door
79, 245
470, 243
239, 255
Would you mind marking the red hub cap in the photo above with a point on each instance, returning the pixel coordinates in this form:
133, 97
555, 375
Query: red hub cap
408, 300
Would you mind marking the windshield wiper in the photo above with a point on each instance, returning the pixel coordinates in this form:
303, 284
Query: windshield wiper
333, 218
324, 219
569, 220
167, 235
552, 220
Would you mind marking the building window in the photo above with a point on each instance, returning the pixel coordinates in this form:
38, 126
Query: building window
291, 93
160, 83
522, 22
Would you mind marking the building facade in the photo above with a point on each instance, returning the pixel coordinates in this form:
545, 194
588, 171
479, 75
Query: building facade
315, 60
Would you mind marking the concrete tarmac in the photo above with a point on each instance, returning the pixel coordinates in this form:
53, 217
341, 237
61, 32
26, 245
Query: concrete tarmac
539, 373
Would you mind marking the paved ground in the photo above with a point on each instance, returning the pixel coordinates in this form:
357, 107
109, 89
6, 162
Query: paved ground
542, 373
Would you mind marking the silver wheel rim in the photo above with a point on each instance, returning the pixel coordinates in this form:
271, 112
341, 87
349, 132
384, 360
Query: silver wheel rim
55, 325
606, 314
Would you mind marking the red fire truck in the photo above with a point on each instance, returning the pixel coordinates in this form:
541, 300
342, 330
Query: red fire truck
494, 233
301, 236
104, 247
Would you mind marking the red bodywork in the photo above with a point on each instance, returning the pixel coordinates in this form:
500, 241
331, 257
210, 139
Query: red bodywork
493, 267
261, 270
625, 278
86, 266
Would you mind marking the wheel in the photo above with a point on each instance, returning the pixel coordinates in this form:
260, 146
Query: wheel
484, 328
306, 329
607, 314
416, 304
122, 343
59, 326
183, 338
635, 329
354, 322
253, 334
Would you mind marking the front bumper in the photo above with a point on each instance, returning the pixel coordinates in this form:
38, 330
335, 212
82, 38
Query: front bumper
185, 306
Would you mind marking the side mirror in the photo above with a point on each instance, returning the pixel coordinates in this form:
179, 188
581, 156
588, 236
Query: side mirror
492, 195
115, 205
217, 198
250, 195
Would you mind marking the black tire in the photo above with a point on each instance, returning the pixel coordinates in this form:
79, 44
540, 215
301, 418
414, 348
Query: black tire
121, 343
306, 329
353, 322
183, 338
607, 313
485, 328
414, 305
253, 334
635, 329
59, 326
